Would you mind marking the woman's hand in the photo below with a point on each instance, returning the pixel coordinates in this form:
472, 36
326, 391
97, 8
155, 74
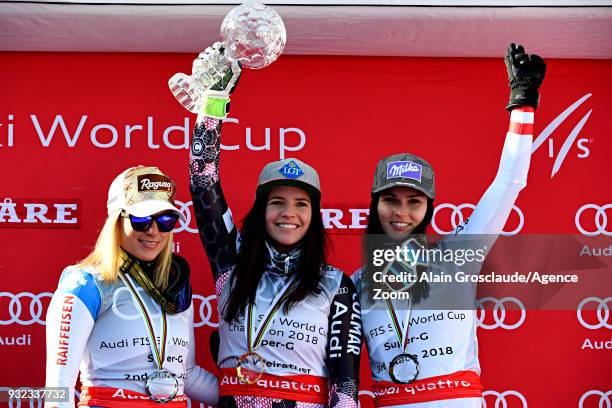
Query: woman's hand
525, 75
213, 60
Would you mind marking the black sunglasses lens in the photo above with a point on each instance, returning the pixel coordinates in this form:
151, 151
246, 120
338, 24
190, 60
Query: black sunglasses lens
141, 224
166, 222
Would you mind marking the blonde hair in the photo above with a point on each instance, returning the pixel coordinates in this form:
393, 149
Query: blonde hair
106, 255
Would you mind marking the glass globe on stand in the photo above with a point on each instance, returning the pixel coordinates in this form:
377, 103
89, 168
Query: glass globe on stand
251, 33
254, 34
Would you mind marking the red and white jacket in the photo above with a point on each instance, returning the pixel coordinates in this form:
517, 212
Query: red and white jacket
444, 340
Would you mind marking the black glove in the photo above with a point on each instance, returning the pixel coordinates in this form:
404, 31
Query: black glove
525, 75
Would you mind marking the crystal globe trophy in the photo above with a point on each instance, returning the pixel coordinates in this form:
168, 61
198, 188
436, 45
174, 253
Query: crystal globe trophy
251, 33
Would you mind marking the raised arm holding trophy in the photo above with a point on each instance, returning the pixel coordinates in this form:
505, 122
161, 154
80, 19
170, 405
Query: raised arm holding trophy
274, 269
252, 36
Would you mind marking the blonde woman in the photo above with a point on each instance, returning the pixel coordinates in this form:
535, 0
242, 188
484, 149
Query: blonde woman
123, 316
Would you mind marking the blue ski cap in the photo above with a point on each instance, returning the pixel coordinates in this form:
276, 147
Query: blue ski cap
289, 172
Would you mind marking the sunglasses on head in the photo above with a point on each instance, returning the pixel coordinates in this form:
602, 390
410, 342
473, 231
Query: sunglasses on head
165, 221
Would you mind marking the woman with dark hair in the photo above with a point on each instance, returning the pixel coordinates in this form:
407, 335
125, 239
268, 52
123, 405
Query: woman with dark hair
421, 336
289, 327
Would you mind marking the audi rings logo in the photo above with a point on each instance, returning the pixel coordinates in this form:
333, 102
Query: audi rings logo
24, 308
126, 307
499, 312
600, 219
202, 306
603, 313
186, 209
501, 399
266, 290
457, 218
604, 398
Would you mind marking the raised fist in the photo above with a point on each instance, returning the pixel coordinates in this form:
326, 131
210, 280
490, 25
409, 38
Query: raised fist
525, 75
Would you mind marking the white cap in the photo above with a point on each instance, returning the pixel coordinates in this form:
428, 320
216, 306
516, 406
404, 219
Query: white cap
142, 191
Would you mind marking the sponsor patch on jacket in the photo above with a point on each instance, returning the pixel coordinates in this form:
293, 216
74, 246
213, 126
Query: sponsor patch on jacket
406, 169
291, 170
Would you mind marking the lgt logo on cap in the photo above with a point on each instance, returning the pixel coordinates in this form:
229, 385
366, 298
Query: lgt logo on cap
291, 170
405, 169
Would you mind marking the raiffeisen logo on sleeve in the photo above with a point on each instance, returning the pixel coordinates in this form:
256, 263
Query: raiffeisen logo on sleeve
40, 213
406, 169
154, 182
291, 170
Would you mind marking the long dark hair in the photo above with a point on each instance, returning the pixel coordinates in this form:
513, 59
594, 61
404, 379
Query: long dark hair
418, 291
251, 261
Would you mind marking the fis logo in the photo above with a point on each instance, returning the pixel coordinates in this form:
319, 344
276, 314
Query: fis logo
405, 169
291, 170
572, 138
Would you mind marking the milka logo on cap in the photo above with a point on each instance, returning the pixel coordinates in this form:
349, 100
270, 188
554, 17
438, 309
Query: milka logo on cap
291, 170
154, 182
405, 169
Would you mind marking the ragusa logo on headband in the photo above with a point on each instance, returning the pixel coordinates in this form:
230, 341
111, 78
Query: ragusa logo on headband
405, 169
291, 170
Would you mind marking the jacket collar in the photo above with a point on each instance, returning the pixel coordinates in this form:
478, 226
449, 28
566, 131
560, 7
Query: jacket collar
282, 263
